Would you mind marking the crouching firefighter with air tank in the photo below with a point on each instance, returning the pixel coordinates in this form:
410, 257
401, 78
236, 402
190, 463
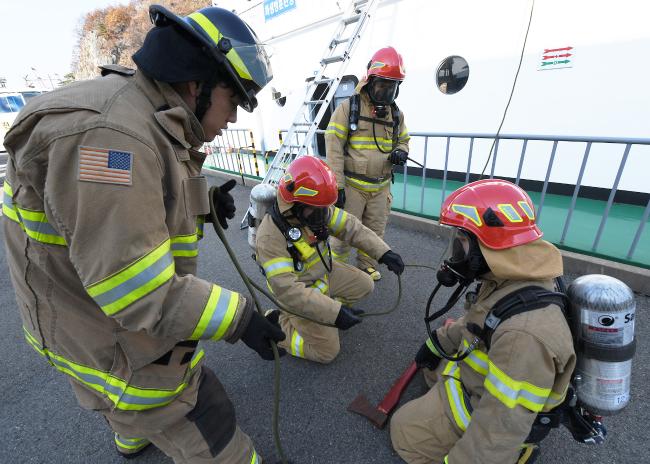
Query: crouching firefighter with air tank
292, 248
512, 375
365, 138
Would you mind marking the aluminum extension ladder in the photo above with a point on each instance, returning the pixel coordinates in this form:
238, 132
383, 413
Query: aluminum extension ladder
335, 60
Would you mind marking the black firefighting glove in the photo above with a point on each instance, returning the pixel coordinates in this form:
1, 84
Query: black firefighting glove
340, 202
426, 358
393, 261
224, 203
398, 157
347, 318
260, 331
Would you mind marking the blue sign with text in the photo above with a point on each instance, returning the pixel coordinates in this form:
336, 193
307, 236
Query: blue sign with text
273, 8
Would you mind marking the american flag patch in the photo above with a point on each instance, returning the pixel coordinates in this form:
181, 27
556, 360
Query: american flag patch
105, 165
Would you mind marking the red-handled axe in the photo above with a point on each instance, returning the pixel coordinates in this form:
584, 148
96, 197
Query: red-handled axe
379, 415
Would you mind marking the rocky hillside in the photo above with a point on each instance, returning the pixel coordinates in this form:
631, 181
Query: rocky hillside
113, 34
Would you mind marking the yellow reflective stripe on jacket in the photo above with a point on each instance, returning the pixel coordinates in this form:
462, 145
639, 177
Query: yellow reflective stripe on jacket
124, 396
186, 246
370, 143
321, 285
254, 458
132, 444
366, 186
555, 399
217, 314
445, 461
297, 344
211, 30
145, 275
403, 137
200, 222
432, 347
513, 392
337, 129
337, 221
34, 223
477, 360
458, 402
451, 370
277, 266
342, 257
8, 208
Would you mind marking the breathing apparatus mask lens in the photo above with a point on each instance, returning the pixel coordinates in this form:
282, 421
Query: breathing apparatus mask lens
383, 91
463, 261
313, 217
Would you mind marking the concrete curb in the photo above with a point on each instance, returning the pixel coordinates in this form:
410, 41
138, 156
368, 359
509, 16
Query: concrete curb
637, 278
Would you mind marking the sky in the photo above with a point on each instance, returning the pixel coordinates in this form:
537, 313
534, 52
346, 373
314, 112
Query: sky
40, 34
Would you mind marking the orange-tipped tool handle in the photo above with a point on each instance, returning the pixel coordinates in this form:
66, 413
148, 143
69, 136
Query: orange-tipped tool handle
392, 397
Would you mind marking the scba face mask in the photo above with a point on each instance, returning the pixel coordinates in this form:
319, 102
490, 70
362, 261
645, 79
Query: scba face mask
313, 217
463, 261
383, 92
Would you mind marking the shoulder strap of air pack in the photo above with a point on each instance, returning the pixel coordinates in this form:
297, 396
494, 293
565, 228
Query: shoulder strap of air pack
520, 301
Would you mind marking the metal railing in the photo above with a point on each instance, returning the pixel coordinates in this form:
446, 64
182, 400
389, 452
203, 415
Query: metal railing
541, 164
235, 151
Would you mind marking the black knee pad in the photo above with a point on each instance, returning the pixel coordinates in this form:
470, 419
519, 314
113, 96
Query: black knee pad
214, 413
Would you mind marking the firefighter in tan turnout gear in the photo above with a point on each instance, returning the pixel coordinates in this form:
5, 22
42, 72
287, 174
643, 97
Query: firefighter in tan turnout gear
483, 405
293, 251
365, 138
104, 204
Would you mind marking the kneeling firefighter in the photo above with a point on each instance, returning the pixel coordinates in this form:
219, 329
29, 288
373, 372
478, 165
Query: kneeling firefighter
511, 377
292, 248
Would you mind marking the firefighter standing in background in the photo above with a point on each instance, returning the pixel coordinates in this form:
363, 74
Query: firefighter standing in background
482, 408
363, 157
293, 251
104, 204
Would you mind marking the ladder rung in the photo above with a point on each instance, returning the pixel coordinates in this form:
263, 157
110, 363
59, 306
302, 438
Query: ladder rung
360, 2
315, 102
300, 131
335, 42
352, 19
333, 59
323, 81
303, 123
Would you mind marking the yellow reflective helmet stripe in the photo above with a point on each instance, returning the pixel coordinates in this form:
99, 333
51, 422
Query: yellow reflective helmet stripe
215, 35
513, 392
140, 278
124, 396
470, 212
510, 212
526, 208
185, 245
217, 316
305, 192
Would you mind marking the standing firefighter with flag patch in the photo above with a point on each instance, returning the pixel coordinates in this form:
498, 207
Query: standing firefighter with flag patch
293, 250
365, 138
492, 384
104, 204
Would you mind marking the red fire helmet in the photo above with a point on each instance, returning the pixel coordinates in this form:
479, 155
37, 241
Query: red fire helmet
387, 64
310, 181
498, 212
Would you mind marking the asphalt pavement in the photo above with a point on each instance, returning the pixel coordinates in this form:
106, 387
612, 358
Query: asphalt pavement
40, 421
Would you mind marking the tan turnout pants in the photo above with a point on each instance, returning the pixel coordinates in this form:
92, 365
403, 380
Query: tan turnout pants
421, 431
372, 209
317, 342
207, 434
